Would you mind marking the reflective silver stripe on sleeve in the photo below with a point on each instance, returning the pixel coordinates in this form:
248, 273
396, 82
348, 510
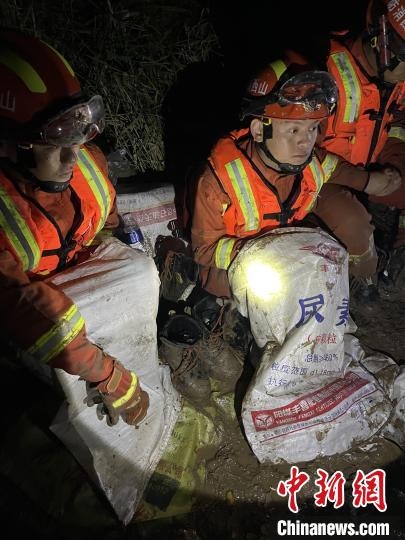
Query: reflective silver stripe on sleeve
223, 252
59, 336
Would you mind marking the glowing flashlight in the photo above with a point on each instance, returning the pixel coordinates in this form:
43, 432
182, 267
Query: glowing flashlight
263, 280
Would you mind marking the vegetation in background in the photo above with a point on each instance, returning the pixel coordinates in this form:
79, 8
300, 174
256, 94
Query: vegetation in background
129, 51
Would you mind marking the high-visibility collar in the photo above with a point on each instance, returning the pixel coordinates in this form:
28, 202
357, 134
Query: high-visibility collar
18, 226
255, 204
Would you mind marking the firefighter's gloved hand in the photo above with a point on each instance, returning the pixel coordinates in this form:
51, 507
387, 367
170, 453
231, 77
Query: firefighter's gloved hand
383, 182
119, 395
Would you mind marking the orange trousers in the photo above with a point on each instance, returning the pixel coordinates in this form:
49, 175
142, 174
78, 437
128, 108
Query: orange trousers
345, 217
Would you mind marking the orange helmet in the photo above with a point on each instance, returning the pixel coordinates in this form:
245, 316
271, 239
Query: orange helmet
386, 28
40, 96
288, 89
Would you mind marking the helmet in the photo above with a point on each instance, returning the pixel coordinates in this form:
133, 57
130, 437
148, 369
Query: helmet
40, 96
288, 89
386, 29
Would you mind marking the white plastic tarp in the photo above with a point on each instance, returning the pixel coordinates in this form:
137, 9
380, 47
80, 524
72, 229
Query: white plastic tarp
117, 293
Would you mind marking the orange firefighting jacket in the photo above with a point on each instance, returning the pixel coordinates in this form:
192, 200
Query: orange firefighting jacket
38, 317
255, 203
360, 126
31, 233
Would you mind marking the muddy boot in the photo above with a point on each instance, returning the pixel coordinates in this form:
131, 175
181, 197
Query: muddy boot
181, 340
221, 361
236, 330
178, 276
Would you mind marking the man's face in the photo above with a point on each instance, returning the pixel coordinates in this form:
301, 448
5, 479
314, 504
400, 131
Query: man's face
293, 140
54, 163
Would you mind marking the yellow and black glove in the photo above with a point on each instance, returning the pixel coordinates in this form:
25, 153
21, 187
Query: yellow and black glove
119, 395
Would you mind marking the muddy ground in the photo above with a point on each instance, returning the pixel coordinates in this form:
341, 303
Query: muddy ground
239, 500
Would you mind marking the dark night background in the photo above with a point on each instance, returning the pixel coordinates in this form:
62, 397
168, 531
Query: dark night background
205, 100
255, 32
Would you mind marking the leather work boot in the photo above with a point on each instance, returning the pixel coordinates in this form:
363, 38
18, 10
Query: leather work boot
221, 361
178, 276
236, 330
181, 340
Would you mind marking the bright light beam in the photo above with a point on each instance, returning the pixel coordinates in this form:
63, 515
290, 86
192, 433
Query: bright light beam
263, 280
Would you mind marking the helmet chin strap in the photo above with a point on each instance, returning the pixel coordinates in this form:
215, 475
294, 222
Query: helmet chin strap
25, 161
284, 167
49, 186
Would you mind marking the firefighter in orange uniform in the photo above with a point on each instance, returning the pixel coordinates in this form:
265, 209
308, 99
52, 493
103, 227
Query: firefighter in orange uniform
269, 175
367, 127
55, 198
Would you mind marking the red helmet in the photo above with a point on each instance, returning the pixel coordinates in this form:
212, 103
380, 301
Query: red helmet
386, 28
289, 89
40, 96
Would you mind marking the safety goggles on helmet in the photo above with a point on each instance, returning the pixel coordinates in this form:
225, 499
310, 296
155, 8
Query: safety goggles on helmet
307, 95
75, 125
314, 92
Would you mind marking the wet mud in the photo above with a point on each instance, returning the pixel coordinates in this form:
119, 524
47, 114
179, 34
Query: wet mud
240, 500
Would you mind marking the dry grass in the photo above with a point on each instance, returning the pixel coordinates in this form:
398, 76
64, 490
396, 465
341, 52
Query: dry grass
129, 52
